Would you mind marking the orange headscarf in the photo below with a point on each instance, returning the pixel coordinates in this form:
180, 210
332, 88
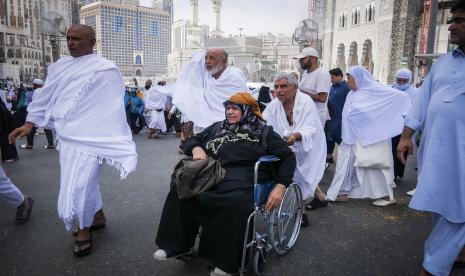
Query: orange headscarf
246, 98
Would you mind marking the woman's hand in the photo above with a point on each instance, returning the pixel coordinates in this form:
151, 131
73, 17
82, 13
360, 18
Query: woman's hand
275, 197
199, 154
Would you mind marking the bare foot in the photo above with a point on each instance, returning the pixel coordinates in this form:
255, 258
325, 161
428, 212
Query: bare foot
99, 218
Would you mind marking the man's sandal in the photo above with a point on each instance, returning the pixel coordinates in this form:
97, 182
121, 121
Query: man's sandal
24, 214
316, 204
93, 227
84, 252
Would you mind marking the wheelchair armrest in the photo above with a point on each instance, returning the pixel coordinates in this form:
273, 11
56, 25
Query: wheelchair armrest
268, 158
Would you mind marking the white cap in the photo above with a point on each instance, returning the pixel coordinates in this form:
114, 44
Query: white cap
306, 52
38, 82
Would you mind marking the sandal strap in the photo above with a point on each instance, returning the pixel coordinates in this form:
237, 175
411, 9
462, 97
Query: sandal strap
83, 242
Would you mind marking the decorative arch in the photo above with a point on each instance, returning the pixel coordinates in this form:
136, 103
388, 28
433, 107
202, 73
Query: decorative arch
341, 58
367, 55
353, 56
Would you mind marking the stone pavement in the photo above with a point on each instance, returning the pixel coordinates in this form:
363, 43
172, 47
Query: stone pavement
353, 238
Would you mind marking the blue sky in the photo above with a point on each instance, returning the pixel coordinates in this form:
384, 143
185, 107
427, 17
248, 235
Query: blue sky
254, 16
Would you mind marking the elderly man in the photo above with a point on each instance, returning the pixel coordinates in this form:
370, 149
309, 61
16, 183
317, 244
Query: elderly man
83, 100
293, 115
36, 84
204, 84
316, 83
438, 110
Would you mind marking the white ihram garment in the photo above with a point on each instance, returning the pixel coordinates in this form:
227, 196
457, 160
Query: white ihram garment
373, 113
155, 102
8, 191
200, 96
358, 182
311, 151
83, 100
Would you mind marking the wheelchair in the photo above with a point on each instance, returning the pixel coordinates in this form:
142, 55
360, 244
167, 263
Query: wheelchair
283, 223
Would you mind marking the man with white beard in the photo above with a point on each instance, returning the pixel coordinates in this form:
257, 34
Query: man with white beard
204, 84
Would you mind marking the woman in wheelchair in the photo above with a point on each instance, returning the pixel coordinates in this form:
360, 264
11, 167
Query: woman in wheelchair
222, 211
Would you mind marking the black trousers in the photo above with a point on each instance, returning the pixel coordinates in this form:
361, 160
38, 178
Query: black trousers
8, 150
136, 122
48, 135
173, 122
329, 141
398, 166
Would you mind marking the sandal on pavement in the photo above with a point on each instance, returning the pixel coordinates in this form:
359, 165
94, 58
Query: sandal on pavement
93, 227
80, 244
25, 146
383, 202
316, 204
49, 147
304, 223
24, 214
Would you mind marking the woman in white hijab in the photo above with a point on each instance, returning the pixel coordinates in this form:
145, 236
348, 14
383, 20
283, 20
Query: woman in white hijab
372, 115
403, 83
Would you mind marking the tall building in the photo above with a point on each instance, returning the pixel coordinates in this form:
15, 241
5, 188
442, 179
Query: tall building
22, 22
136, 38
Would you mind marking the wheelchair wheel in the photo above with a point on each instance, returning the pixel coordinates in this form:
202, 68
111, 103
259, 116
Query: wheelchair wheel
258, 261
284, 226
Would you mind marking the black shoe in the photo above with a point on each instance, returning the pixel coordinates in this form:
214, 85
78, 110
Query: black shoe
304, 222
315, 204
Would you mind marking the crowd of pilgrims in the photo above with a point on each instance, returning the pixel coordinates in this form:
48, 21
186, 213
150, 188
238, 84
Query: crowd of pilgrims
164, 118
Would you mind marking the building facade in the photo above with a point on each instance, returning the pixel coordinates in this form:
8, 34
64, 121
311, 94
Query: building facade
380, 35
22, 25
136, 38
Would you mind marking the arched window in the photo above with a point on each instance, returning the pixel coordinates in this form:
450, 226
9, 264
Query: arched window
138, 73
138, 60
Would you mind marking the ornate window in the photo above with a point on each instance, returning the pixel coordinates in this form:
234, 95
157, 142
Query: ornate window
370, 12
356, 16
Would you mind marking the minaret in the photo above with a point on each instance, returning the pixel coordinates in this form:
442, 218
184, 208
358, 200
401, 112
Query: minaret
194, 18
194, 31
217, 18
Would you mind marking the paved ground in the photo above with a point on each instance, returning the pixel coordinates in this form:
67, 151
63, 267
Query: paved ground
353, 238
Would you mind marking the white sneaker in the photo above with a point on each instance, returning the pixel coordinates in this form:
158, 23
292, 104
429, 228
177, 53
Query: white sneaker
160, 255
411, 193
219, 272
383, 202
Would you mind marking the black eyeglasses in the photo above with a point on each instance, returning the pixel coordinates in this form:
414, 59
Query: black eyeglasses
456, 20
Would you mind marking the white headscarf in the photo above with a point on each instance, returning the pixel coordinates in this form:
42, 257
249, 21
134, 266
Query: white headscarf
373, 112
405, 73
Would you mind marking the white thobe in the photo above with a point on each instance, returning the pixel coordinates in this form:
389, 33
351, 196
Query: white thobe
310, 152
82, 99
